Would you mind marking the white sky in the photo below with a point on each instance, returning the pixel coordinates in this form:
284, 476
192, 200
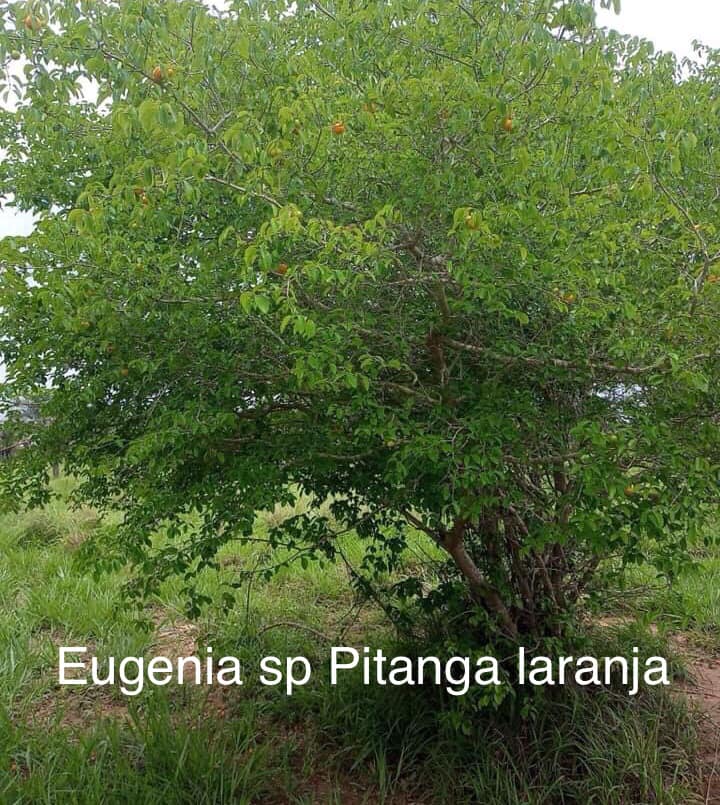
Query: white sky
670, 24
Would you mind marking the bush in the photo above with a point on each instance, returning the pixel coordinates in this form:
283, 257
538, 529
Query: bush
450, 268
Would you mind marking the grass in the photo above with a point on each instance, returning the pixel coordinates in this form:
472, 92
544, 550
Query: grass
690, 604
345, 744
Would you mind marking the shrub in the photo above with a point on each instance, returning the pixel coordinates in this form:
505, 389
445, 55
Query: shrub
450, 266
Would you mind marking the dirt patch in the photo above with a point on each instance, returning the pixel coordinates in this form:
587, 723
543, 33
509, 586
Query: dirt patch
73, 707
704, 691
80, 708
174, 638
66, 707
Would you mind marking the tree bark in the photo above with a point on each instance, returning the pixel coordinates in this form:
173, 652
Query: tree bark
453, 542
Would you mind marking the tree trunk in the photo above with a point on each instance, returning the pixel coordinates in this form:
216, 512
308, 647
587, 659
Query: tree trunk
452, 541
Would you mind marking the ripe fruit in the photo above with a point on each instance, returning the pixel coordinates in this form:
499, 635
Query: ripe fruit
170, 72
630, 491
569, 298
338, 127
157, 75
29, 22
507, 124
282, 269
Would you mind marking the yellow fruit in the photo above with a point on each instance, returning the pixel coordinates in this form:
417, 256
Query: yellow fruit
507, 124
170, 72
338, 127
630, 491
29, 22
157, 75
569, 298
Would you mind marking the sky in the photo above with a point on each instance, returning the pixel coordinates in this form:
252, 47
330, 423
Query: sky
670, 24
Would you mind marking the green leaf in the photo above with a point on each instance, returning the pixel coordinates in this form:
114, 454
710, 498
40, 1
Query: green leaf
225, 234
148, 114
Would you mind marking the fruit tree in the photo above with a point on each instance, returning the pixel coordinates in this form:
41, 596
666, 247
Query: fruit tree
447, 265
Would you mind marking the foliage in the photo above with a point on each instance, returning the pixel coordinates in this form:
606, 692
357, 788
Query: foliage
325, 744
446, 265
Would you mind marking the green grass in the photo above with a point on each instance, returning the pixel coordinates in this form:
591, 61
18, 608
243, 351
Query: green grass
344, 744
689, 604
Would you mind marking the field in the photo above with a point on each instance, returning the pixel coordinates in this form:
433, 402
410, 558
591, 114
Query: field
344, 744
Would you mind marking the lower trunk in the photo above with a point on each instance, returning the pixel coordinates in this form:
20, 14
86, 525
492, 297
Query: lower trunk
481, 589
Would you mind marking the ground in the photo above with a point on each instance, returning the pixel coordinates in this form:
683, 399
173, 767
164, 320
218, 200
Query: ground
340, 745
704, 691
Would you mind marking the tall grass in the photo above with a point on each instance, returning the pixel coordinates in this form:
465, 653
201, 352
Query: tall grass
346, 744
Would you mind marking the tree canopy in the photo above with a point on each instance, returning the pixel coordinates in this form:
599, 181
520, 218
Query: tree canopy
452, 266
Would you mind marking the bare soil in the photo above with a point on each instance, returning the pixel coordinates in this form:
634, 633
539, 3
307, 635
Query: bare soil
704, 691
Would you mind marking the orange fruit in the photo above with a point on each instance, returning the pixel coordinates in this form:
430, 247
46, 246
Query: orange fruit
338, 127
507, 124
157, 75
630, 491
281, 269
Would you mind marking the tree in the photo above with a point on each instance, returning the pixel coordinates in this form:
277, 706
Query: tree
451, 266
